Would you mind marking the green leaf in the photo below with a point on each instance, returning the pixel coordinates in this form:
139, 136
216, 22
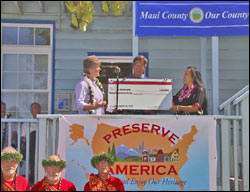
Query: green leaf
83, 26
105, 7
88, 18
74, 20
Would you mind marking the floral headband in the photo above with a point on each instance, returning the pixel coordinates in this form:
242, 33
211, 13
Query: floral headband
54, 163
16, 156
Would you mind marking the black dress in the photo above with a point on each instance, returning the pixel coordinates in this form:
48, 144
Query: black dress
197, 98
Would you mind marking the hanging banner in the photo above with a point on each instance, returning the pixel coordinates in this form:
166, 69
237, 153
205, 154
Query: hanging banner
192, 18
155, 154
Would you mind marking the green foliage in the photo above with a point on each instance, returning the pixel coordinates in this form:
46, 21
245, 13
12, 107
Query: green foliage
116, 6
54, 163
5, 156
82, 11
100, 157
133, 159
109, 150
113, 152
120, 159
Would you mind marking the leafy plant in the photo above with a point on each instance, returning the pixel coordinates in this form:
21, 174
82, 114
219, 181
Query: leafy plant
82, 11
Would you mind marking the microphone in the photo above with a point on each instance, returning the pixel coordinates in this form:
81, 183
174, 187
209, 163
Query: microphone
117, 69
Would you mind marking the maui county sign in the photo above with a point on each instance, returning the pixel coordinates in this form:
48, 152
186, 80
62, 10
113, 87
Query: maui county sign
192, 18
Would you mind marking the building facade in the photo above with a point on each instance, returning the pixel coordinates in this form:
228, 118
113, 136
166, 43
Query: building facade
42, 55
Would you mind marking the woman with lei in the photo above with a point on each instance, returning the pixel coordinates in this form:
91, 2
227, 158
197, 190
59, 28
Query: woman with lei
10, 181
89, 91
53, 180
191, 99
103, 181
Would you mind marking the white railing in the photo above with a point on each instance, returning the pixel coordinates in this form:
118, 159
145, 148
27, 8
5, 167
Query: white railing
228, 107
13, 129
238, 104
48, 142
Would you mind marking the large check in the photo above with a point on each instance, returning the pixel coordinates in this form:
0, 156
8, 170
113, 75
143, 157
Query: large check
140, 94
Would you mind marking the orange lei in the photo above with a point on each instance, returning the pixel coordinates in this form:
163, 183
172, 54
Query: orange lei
7, 187
97, 184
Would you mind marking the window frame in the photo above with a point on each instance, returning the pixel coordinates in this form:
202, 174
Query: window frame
32, 50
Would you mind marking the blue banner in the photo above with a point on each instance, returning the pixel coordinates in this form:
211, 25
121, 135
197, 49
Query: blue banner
192, 18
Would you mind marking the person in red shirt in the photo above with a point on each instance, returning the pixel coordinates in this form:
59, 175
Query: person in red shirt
53, 180
10, 181
103, 181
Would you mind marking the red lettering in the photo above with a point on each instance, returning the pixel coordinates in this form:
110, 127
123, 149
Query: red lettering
172, 139
111, 171
145, 168
153, 169
120, 171
164, 134
136, 128
126, 130
116, 132
132, 169
172, 170
155, 129
107, 137
157, 170
145, 128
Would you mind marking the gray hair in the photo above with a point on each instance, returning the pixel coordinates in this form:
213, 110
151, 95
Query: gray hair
9, 149
89, 63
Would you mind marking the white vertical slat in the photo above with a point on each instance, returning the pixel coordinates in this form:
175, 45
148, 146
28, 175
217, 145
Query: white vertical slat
18, 142
54, 137
245, 143
27, 151
235, 152
227, 109
225, 154
9, 134
42, 146
36, 153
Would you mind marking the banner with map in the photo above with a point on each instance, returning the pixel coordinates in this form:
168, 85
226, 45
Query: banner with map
151, 153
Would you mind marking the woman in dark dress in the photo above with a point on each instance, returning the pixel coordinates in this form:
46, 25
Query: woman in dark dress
191, 99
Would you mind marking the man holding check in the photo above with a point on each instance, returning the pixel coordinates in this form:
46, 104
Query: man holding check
139, 67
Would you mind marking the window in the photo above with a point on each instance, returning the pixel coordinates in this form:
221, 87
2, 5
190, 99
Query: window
26, 67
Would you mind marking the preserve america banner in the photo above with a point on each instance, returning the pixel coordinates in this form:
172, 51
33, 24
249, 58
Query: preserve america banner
151, 153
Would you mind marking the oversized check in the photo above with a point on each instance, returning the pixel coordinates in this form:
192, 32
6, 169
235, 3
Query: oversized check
140, 94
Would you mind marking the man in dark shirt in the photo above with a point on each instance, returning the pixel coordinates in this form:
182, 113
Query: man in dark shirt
139, 67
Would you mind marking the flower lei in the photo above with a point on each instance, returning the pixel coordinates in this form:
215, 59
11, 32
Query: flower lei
91, 92
54, 163
11, 156
185, 92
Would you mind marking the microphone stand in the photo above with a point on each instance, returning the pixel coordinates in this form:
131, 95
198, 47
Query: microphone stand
117, 90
